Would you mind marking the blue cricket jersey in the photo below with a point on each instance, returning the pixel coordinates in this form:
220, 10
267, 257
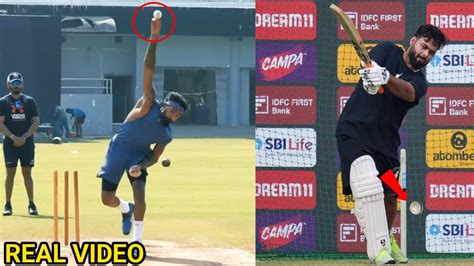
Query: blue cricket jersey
141, 133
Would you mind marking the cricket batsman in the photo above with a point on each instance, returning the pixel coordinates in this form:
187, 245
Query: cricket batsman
368, 139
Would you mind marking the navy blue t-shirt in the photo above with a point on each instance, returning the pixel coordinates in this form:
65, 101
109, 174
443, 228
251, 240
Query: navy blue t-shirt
375, 119
18, 113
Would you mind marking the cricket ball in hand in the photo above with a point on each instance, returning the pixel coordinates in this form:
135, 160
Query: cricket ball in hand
166, 162
157, 14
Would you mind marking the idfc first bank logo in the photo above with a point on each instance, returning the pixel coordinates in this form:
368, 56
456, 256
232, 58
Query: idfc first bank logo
287, 147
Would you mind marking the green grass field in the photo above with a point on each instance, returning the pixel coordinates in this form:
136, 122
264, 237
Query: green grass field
205, 197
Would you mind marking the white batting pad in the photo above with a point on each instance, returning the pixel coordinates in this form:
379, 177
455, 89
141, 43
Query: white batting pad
369, 208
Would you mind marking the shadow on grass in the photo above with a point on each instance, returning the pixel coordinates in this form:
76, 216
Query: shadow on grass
40, 217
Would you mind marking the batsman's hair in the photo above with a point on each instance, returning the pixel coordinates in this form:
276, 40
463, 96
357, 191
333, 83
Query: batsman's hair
433, 33
178, 98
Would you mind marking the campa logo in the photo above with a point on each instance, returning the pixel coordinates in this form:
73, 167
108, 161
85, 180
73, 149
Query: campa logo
287, 62
281, 65
277, 235
285, 231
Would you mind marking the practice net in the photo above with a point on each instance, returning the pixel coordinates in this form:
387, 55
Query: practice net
306, 70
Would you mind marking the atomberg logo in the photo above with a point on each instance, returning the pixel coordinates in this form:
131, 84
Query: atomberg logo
450, 148
459, 140
281, 64
281, 234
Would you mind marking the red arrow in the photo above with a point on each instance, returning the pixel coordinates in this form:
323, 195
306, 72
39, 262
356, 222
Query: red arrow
391, 180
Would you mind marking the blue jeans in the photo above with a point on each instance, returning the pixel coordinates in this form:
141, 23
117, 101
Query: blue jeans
60, 125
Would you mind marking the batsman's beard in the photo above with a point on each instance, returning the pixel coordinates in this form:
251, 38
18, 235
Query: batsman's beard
415, 61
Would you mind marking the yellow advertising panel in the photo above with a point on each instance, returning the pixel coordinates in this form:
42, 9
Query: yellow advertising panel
453, 148
348, 63
346, 202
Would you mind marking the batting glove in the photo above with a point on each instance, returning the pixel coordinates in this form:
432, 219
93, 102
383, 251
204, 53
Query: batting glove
375, 75
370, 89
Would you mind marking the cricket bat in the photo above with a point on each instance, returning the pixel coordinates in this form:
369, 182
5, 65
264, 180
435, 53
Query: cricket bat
356, 39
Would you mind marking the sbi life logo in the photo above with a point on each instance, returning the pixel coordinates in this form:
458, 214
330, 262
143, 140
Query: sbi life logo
453, 60
290, 143
465, 230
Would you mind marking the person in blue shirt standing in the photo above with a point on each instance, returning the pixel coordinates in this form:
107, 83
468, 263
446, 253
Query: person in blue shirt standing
79, 117
129, 150
368, 139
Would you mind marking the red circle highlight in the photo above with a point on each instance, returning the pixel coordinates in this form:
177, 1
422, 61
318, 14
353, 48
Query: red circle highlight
173, 26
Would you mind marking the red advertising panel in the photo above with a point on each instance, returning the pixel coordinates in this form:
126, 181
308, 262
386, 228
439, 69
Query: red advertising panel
286, 190
375, 20
285, 20
450, 106
453, 18
285, 105
450, 191
350, 238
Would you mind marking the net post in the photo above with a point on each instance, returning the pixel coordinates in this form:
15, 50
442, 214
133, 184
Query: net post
403, 203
